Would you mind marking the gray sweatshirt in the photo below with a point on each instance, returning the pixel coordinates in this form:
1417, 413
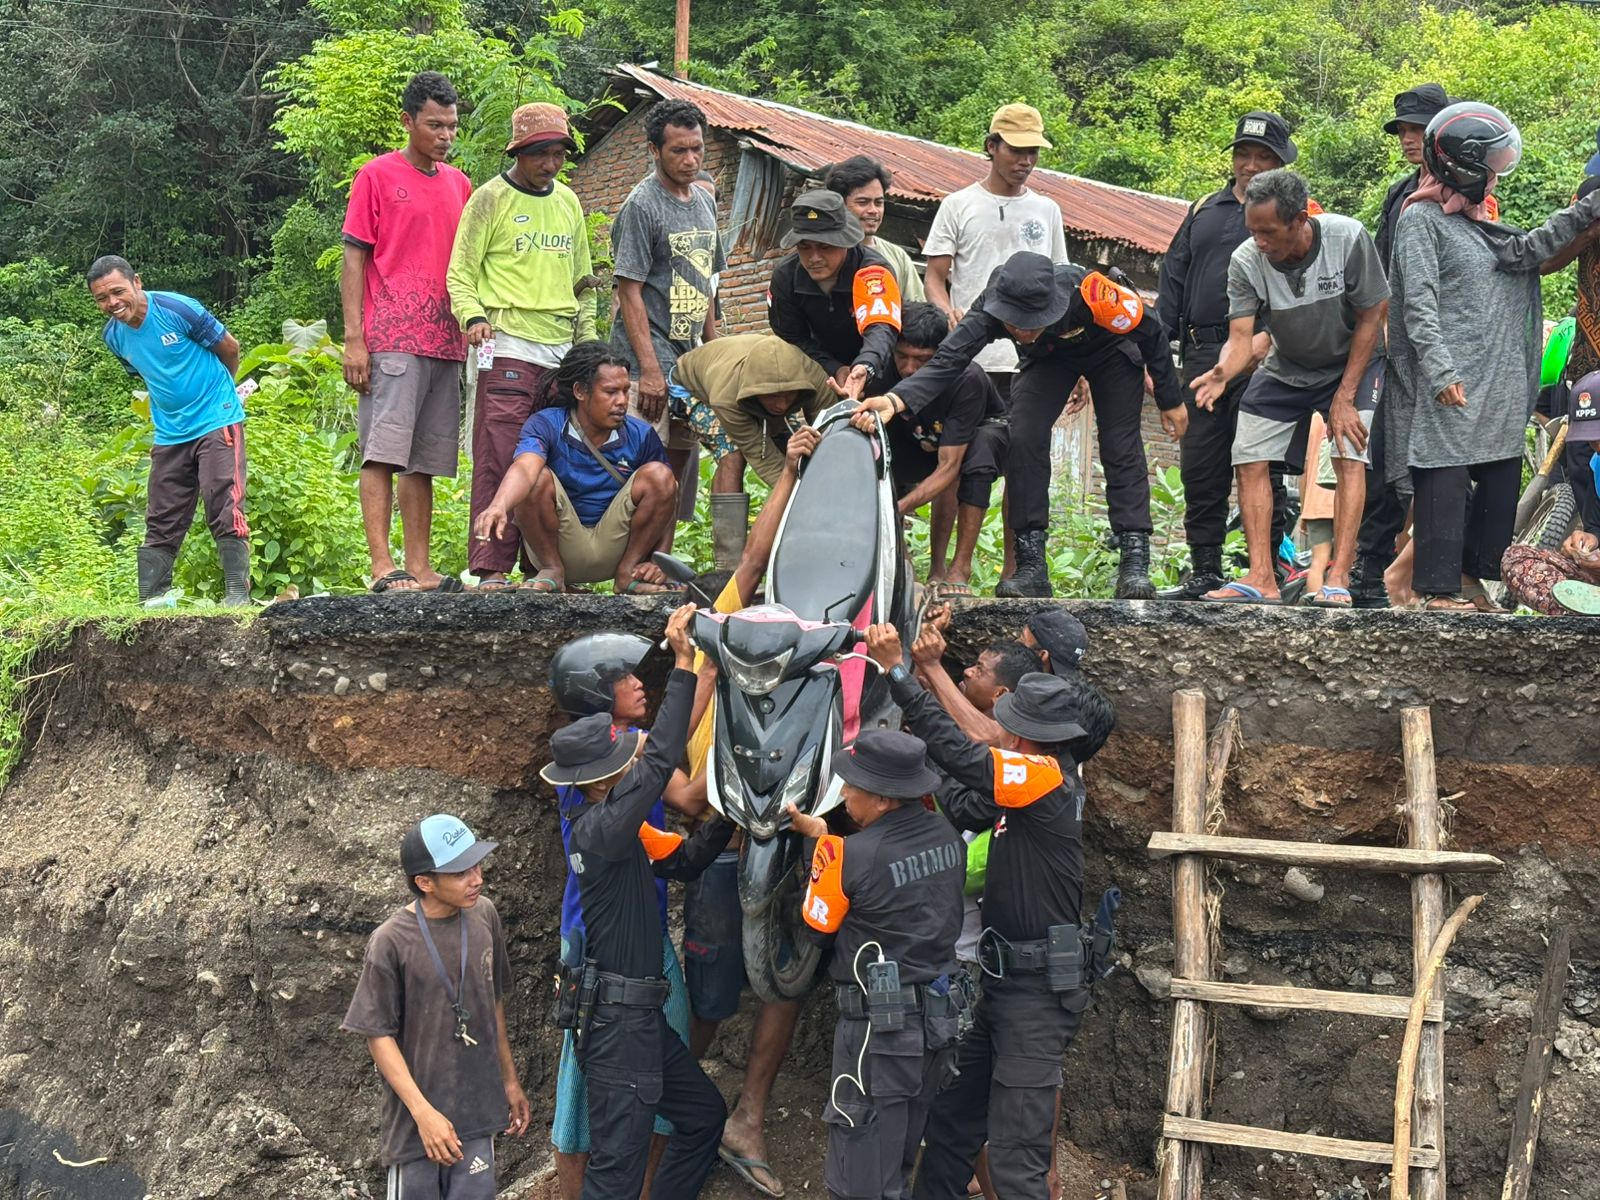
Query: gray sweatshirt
1465, 308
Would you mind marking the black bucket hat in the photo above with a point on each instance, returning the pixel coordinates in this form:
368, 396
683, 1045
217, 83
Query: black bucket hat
1418, 106
1041, 710
888, 763
589, 750
1269, 130
820, 216
1023, 292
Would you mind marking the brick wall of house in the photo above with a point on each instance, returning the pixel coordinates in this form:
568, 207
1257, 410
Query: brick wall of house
609, 172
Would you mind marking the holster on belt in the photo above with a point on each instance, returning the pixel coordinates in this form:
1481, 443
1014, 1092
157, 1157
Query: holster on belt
588, 991
1058, 956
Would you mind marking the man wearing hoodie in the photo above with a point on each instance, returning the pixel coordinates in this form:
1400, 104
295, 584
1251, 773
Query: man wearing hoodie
743, 395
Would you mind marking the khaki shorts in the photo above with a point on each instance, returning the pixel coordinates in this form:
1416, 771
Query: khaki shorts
590, 553
410, 415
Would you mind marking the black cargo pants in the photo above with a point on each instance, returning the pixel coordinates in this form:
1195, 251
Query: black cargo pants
1039, 393
637, 1067
1005, 1093
873, 1137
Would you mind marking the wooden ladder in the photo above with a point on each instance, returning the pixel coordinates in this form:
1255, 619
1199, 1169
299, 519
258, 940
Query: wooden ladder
1184, 1129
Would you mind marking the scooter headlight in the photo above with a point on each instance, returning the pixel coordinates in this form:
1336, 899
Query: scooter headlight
758, 678
798, 783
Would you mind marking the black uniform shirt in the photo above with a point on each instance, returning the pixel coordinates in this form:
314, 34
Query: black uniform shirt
825, 326
1122, 324
616, 856
1194, 274
897, 883
949, 419
1393, 201
1035, 810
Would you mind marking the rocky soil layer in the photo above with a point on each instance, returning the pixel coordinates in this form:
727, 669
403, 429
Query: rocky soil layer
206, 825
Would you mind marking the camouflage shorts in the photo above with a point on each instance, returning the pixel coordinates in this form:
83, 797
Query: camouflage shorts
700, 417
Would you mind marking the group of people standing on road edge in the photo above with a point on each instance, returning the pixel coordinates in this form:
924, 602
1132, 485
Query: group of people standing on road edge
1417, 348
951, 877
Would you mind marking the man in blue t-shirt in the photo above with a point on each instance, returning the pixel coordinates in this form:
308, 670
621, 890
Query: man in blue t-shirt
609, 496
187, 360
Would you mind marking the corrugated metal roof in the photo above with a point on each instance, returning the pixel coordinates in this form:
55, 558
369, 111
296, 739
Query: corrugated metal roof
923, 171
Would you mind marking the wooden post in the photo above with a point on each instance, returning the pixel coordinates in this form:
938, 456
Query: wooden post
1427, 919
680, 42
1181, 1162
1536, 1066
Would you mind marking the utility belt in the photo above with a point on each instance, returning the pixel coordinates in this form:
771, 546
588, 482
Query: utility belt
1070, 957
1206, 335
581, 990
885, 1004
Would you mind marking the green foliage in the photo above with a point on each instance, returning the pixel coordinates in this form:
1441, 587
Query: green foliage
302, 280
37, 290
343, 98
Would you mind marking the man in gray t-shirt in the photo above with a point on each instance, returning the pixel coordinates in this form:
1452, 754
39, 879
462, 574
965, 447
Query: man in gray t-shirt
430, 1002
1316, 284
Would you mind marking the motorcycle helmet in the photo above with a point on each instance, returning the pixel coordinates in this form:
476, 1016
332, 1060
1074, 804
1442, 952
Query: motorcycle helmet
1468, 144
583, 671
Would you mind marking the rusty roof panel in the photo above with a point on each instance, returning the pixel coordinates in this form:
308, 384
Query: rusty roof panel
924, 171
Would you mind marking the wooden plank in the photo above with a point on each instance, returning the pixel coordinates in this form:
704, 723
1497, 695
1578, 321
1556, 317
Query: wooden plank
1425, 832
1536, 1066
1360, 1004
1181, 1174
1215, 1133
1321, 854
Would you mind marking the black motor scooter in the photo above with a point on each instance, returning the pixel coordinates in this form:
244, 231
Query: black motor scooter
791, 688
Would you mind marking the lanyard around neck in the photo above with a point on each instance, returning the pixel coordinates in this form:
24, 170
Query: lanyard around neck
456, 996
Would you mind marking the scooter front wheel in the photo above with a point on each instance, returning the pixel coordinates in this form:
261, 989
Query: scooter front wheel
779, 959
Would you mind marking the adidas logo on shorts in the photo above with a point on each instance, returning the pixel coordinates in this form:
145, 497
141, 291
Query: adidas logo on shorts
478, 1166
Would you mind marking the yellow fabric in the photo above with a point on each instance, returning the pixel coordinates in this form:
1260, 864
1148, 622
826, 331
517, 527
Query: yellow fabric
700, 740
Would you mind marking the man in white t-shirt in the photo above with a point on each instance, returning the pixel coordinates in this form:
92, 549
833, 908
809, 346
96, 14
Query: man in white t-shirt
984, 224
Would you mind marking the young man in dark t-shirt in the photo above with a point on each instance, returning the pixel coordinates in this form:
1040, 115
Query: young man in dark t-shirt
950, 453
430, 1003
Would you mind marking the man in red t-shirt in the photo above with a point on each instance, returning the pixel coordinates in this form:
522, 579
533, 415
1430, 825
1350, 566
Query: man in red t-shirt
403, 349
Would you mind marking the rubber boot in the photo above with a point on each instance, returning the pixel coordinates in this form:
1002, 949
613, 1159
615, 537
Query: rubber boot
1033, 570
235, 555
1133, 576
1366, 583
155, 571
1205, 574
730, 525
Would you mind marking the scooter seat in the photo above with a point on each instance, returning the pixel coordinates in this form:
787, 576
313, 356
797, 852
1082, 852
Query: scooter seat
829, 547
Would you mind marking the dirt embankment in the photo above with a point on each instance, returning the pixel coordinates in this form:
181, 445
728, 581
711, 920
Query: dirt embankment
204, 832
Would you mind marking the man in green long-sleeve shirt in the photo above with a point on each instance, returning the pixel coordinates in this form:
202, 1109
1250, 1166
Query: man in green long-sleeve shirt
520, 251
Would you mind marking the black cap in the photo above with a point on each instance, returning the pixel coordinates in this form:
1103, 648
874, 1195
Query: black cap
1023, 292
820, 216
888, 763
589, 750
1062, 636
1041, 710
1418, 106
1269, 130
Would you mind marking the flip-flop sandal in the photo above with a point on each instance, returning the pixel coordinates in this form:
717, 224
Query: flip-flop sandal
1243, 593
1444, 604
745, 1168
543, 583
496, 585
946, 588
389, 581
1325, 598
449, 585
1578, 597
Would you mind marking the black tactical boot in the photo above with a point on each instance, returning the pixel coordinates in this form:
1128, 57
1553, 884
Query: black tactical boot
235, 555
1033, 570
155, 571
1366, 583
1133, 576
1205, 574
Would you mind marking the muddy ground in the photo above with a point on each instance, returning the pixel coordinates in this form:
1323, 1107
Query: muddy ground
204, 832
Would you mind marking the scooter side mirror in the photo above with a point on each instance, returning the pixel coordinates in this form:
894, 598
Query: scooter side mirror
679, 571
